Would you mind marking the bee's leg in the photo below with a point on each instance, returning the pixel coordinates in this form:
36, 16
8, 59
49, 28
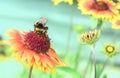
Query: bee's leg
46, 28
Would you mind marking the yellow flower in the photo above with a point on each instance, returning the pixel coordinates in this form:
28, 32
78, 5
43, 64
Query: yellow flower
118, 4
116, 23
34, 47
78, 0
56, 2
3, 48
110, 50
104, 9
89, 37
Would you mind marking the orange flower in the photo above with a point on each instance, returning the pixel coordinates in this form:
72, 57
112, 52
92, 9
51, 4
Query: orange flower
104, 9
34, 48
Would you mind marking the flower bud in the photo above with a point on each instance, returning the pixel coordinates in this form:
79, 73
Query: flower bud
90, 37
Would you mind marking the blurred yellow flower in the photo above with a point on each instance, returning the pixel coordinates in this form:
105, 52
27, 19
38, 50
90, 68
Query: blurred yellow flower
116, 23
78, 0
56, 2
118, 4
3, 48
110, 50
104, 9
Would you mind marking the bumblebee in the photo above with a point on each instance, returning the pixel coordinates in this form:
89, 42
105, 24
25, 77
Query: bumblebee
39, 26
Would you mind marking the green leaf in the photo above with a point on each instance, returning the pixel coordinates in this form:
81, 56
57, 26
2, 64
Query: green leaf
99, 70
71, 71
91, 66
78, 56
105, 76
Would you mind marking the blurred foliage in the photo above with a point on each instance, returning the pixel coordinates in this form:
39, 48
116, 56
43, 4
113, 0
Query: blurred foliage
99, 70
105, 76
79, 29
21, 15
73, 72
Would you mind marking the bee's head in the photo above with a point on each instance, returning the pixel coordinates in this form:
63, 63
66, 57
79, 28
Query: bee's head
38, 25
41, 22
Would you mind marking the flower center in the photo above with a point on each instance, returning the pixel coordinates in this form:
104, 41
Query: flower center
38, 43
100, 5
110, 49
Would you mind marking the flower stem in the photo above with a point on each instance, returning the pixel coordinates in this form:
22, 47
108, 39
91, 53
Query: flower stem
69, 30
104, 65
99, 23
30, 72
93, 53
84, 74
50, 76
77, 56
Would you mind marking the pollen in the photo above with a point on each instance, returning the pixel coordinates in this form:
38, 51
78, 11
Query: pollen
38, 43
